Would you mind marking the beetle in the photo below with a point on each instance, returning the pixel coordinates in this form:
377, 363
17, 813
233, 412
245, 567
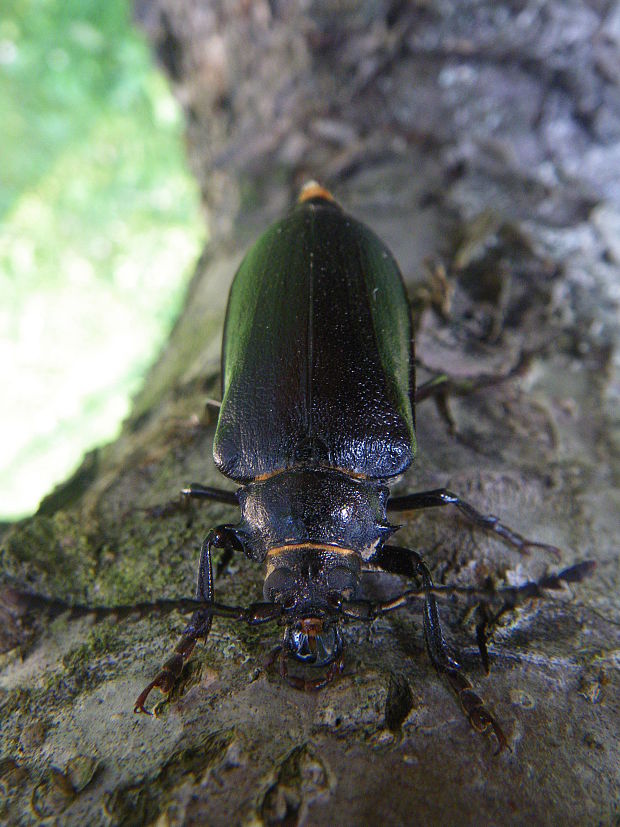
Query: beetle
317, 420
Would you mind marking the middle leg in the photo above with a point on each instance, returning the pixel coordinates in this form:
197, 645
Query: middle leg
442, 497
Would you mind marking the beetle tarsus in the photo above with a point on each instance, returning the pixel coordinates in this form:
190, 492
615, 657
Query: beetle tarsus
168, 674
478, 715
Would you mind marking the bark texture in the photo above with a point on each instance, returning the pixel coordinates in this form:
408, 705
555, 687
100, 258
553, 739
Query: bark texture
481, 140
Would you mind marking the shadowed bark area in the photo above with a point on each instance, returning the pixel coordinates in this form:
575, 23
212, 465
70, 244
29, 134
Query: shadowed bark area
481, 141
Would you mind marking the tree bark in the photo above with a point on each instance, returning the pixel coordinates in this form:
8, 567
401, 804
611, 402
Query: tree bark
481, 141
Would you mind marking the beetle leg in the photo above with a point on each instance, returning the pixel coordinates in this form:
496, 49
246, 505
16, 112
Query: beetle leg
478, 715
443, 385
438, 388
397, 560
483, 633
436, 385
200, 624
513, 596
169, 673
442, 496
171, 670
199, 627
196, 491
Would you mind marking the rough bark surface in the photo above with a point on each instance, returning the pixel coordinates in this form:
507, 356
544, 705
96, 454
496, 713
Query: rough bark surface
481, 140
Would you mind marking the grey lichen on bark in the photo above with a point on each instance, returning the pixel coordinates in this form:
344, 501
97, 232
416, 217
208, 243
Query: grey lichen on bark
481, 140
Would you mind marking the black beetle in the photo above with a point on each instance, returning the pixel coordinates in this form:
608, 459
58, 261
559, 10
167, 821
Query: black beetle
316, 420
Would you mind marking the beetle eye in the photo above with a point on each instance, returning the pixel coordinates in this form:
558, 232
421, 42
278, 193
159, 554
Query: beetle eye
278, 583
342, 580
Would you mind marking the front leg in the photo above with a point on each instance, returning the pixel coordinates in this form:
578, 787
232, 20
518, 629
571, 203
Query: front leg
199, 626
404, 561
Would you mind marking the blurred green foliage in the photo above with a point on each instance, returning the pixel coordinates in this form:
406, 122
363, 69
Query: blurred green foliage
99, 228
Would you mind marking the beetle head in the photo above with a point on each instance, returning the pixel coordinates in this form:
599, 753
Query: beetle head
311, 583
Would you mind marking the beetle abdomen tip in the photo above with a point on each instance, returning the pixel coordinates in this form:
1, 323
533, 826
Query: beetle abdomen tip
312, 189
